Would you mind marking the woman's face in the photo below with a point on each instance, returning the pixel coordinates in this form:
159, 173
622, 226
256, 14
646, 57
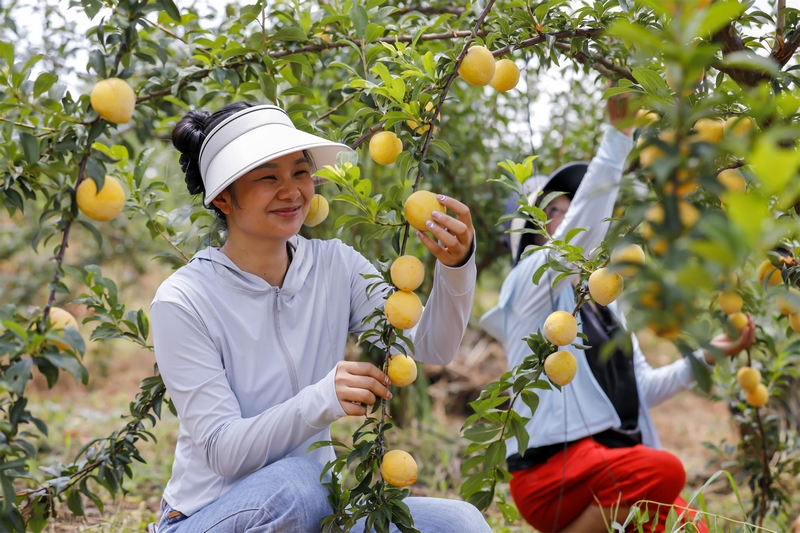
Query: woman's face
271, 201
555, 211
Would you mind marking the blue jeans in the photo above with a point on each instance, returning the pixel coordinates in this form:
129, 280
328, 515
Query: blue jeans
287, 497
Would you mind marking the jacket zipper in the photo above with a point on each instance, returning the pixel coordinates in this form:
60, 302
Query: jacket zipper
284, 351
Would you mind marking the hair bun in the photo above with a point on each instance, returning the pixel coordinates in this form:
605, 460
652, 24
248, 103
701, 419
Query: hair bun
187, 137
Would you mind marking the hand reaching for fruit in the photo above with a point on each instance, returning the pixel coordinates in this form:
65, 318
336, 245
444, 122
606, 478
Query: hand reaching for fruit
455, 235
731, 347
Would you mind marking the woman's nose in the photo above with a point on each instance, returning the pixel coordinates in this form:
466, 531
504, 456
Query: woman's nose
288, 189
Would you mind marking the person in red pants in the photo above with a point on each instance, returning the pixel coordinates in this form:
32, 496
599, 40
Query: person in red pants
593, 450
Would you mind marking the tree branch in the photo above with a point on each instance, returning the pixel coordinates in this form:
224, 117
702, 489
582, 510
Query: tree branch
59, 258
732, 42
165, 30
430, 10
780, 22
390, 40
787, 48
539, 39
599, 63
369, 133
581, 32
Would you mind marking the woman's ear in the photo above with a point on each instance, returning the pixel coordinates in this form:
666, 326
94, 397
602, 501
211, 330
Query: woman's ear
223, 202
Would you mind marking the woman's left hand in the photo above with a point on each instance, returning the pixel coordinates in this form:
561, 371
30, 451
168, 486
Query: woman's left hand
455, 234
731, 347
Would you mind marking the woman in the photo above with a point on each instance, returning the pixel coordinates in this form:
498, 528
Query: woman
250, 337
593, 448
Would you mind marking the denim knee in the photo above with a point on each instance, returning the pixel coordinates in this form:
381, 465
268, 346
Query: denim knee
303, 487
466, 518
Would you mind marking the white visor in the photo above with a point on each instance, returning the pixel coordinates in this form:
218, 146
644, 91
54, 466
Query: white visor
252, 137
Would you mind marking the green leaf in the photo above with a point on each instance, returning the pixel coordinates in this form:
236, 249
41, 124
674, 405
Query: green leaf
495, 453
98, 237
68, 362
481, 432
747, 212
774, 165
482, 500
519, 431
7, 52
638, 36
373, 32
751, 61
97, 60
289, 33
650, 80
719, 15
360, 19
531, 399
44, 81
171, 9
75, 503
30, 147
572, 233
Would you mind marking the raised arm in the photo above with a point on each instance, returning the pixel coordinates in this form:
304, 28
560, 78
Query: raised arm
444, 319
194, 375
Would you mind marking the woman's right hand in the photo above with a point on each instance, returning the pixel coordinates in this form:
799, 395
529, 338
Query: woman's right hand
359, 383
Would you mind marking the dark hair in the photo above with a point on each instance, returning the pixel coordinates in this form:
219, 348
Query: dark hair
188, 136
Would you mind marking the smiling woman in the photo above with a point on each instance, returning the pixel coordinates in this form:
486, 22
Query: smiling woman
250, 337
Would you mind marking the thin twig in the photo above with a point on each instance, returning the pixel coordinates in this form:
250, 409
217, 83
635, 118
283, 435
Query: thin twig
346, 43
369, 133
539, 39
429, 10
338, 106
59, 258
166, 238
28, 126
165, 30
599, 63
765, 471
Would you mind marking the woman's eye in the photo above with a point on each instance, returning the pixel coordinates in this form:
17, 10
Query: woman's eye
266, 178
301, 173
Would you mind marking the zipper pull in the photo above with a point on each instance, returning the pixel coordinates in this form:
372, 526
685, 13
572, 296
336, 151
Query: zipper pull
278, 298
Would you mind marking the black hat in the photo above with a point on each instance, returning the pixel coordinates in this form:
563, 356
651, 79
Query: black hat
566, 178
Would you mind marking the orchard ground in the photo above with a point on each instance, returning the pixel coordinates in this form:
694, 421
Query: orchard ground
76, 414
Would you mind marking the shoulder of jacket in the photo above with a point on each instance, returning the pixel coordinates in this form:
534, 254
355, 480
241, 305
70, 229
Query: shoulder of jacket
184, 286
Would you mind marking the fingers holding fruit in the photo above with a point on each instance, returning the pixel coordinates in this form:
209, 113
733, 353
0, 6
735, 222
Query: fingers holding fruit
455, 234
359, 383
747, 335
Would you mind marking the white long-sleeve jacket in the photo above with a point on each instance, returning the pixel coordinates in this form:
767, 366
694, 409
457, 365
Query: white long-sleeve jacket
251, 367
581, 408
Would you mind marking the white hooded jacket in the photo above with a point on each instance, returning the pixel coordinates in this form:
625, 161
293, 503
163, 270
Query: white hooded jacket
581, 408
250, 367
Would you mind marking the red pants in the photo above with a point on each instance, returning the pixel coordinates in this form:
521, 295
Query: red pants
596, 475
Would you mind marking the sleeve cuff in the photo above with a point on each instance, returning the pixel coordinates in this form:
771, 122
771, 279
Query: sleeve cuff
700, 356
458, 280
320, 406
614, 148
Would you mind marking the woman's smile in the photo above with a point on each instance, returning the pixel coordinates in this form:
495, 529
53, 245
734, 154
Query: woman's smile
288, 212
